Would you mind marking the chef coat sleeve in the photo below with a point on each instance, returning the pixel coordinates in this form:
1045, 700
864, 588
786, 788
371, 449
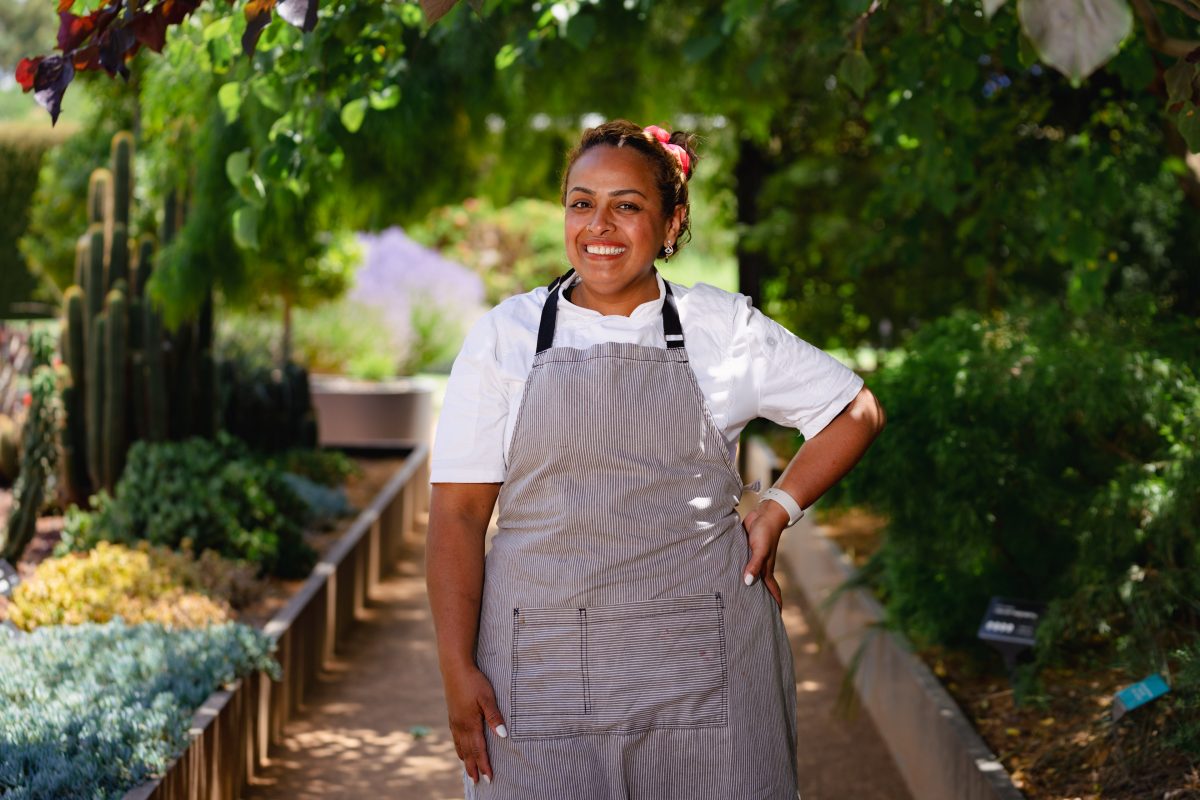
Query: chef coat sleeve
469, 444
799, 386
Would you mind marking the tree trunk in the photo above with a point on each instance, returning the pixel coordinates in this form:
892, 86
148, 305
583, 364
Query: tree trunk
750, 173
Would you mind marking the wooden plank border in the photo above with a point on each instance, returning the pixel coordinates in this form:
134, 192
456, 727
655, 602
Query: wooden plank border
233, 730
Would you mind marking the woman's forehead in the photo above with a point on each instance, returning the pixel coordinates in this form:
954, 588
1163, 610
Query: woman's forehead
604, 165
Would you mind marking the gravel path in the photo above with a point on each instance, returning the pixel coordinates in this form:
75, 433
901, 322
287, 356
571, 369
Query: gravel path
376, 726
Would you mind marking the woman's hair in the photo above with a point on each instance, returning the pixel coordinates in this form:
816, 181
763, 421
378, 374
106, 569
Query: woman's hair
669, 176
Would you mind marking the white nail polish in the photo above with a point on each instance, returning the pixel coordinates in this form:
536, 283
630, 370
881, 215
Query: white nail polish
502, 731
749, 579
487, 778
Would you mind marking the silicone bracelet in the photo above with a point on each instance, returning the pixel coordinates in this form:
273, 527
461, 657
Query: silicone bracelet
795, 512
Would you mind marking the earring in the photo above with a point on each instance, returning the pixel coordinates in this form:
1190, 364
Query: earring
668, 249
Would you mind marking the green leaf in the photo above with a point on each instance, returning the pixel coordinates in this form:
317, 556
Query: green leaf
270, 92
702, 47
856, 72
245, 227
1188, 123
229, 96
218, 29
1076, 37
237, 166
1180, 80
385, 98
353, 114
581, 30
507, 56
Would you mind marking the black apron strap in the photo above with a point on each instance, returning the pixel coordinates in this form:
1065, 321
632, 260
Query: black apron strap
672, 329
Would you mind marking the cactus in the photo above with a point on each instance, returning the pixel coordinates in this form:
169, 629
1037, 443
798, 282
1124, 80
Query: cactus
115, 374
78, 481
156, 385
94, 412
118, 255
126, 379
122, 177
40, 457
10, 449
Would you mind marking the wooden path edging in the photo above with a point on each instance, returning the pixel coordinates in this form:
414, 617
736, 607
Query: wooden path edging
938, 752
232, 731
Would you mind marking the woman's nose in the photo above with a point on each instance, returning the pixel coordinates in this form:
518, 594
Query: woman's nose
600, 221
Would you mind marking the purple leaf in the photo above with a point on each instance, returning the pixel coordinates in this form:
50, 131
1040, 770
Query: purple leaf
54, 75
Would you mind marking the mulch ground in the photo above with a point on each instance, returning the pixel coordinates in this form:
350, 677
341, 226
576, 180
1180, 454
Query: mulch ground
1061, 744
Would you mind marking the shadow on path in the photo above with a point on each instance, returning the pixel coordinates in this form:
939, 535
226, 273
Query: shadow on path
375, 725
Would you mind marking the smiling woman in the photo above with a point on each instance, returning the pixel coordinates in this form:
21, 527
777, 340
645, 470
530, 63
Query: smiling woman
624, 639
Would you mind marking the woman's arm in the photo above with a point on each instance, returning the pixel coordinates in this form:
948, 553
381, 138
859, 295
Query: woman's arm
458, 520
819, 463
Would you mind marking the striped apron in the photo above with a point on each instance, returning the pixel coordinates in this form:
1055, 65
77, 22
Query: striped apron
629, 660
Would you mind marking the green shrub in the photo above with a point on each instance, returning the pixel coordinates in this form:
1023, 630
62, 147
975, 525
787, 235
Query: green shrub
22, 149
1040, 457
326, 467
91, 711
211, 495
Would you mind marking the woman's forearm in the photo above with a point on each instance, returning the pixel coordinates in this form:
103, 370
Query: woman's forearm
829, 455
458, 520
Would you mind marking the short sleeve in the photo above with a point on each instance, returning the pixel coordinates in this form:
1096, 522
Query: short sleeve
469, 444
799, 386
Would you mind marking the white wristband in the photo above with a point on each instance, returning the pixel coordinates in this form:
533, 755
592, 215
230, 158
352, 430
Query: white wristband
795, 512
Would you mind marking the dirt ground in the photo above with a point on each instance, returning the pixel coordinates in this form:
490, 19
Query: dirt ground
376, 725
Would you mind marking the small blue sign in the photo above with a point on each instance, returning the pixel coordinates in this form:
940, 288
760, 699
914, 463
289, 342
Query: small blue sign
1138, 694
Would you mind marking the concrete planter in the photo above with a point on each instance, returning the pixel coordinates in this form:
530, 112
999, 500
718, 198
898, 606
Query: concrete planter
355, 413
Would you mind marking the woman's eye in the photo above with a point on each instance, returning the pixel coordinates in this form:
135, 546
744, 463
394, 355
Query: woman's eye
628, 207
579, 204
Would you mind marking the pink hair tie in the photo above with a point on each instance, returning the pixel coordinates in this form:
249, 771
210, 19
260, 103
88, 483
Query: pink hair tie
664, 138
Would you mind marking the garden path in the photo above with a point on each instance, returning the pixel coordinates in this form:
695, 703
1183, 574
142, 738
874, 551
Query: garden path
375, 726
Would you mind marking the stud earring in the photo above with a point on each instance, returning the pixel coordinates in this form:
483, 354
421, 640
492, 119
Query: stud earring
668, 249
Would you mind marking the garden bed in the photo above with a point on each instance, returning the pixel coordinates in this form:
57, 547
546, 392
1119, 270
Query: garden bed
1061, 743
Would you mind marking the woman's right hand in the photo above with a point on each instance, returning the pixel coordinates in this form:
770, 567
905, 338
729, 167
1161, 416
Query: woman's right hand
472, 704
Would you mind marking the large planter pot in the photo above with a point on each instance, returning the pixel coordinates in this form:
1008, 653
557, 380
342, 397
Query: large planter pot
355, 413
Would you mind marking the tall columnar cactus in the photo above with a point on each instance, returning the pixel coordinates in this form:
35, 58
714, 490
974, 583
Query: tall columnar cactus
126, 378
39, 454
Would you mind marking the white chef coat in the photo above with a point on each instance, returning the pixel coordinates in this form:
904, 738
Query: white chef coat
746, 365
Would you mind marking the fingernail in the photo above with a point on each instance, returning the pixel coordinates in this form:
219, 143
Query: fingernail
502, 731
749, 579
487, 778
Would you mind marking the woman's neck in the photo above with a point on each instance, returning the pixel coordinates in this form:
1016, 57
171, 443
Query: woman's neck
621, 304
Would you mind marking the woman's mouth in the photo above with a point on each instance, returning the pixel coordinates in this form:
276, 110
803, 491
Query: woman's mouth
603, 250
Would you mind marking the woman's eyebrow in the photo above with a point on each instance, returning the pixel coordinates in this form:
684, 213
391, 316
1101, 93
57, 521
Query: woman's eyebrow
615, 193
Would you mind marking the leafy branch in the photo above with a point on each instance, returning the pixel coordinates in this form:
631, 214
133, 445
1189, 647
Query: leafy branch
109, 36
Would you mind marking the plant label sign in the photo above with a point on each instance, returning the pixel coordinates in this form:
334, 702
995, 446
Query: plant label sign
8, 578
1138, 694
1010, 626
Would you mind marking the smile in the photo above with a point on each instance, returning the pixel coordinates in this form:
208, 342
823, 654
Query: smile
603, 250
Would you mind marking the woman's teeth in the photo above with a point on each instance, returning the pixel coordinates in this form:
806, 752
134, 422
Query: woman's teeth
598, 250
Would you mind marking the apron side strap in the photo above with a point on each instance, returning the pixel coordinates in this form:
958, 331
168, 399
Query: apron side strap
550, 313
672, 329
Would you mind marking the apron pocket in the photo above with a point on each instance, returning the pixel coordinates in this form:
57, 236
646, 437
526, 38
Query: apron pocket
621, 668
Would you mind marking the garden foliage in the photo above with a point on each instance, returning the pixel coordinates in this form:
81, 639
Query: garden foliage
90, 711
1045, 457
142, 584
212, 494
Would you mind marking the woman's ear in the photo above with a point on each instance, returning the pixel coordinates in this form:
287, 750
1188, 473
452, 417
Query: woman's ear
675, 223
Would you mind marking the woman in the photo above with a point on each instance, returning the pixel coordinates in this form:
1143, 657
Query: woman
624, 640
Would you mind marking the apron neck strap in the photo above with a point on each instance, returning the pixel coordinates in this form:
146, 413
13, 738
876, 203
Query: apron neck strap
672, 329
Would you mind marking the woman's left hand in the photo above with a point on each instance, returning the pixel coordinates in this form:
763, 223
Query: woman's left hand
764, 525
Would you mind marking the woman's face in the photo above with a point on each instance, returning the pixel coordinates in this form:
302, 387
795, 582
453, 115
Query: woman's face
614, 226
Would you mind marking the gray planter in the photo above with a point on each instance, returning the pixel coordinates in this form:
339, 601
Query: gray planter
355, 413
